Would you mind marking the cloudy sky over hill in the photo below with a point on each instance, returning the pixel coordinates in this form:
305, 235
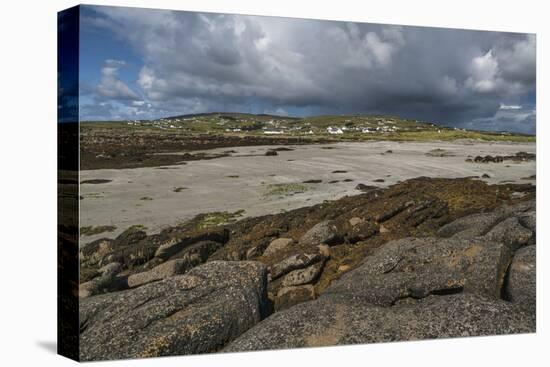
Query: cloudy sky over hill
140, 63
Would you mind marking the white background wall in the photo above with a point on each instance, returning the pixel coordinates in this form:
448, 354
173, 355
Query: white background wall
28, 181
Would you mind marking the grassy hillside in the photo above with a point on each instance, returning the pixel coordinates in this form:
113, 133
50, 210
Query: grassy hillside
334, 127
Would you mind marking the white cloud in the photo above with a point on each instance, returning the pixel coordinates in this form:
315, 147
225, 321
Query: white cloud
484, 73
381, 50
110, 85
510, 107
205, 62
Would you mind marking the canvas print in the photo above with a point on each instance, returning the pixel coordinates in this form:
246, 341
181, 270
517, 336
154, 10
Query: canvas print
230, 183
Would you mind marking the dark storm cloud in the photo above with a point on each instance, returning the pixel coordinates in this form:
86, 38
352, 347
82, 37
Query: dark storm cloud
203, 62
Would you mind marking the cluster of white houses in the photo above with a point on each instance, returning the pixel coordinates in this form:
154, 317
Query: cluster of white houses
278, 127
364, 130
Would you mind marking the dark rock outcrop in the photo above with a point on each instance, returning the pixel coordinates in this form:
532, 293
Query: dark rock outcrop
101, 283
159, 272
322, 232
176, 244
365, 188
94, 251
130, 236
353, 231
303, 276
518, 157
198, 312
276, 245
298, 261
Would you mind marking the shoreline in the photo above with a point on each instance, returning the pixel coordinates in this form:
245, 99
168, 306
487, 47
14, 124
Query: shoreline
223, 184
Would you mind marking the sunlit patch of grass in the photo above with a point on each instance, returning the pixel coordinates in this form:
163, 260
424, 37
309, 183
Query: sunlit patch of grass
217, 218
285, 189
459, 134
140, 227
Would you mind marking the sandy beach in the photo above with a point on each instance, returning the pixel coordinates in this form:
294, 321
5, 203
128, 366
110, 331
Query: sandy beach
156, 197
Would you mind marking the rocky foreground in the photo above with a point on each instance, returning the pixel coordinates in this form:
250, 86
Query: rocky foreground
425, 258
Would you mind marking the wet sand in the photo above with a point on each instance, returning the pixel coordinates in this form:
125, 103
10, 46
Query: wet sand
150, 196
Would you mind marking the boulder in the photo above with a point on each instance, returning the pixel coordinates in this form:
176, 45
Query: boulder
159, 272
198, 253
175, 245
471, 225
521, 283
392, 211
186, 259
168, 248
303, 276
277, 244
94, 251
511, 232
290, 296
101, 283
87, 273
481, 223
528, 220
418, 267
132, 235
361, 231
198, 312
136, 254
253, 252
355, 221
340, 320
293, 262
323, 232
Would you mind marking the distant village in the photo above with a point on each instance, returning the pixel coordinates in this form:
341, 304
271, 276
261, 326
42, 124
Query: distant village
282, 126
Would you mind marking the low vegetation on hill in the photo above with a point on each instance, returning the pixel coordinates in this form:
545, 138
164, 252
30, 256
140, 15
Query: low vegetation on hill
336, 127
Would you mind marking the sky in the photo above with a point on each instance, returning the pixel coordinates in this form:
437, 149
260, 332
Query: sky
145, 64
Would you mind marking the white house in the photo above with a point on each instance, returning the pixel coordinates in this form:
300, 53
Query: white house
334, 130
